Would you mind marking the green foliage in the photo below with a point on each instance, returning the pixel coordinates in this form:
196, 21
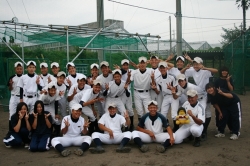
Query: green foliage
230, 34
240, 3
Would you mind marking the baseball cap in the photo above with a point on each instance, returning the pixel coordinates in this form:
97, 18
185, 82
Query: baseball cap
163, 63
51, 84
81, 77
154, 56
117, 71
105, 63
60, 73
191, 93
181, 77
18, 63
112, 105
152, 102
94, 65
180, 57
54, 64
76, 107
198, 60
142, 58
124, 61
31, 63
43, 65
70, 64
95, 82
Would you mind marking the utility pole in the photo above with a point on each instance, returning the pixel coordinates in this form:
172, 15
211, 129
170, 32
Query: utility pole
178, 16
170, 49
244, 15
100, 23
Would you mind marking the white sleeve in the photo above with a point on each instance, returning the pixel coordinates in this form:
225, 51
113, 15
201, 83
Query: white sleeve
179, 90
101, 121
42, 97
41, 83
123, 121
71, 90
189, 72
20, 82
201, 114
132, 75
86, 96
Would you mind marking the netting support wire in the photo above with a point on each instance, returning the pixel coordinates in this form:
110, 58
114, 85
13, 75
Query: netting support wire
109, 49
158, 46
87, 44
22, 44
67, 34
13, 51
124, 54
143, 43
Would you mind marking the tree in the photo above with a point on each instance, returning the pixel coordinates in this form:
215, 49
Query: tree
230, 34
245, 5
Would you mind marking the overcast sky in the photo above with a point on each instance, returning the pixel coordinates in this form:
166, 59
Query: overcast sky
76, 12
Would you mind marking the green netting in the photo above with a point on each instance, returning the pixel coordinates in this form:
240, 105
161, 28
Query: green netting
237, 58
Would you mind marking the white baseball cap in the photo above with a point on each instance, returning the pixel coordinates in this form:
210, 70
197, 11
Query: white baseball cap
191, 93
51, 84
181, 77
154, 56
31, 62
70, 64
54, 64
105, 63
18, 63
112, 105
124, 61
198, 60
94, 65
163, 63
180, 57
117, 71
60, 73
95, 82
152, 102
142, 58
81, 77
44, 64
76, 107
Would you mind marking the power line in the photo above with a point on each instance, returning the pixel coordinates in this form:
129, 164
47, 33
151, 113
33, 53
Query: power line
11, 8
161, 11
26, 11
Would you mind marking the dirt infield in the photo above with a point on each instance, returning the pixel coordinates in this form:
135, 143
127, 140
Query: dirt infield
214, 151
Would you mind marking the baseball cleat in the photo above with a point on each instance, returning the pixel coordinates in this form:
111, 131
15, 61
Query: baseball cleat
65, 153
97, 150
234, 137
197, 142
160, 148
123, 149
220, 135
144, 148
26, 146
78, 152
7, 145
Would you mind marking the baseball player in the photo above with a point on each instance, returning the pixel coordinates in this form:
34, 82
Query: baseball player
105, 78
72, 127
163, 82
229, 109
89, 98
55, 69
41, 123
143, 78
201, 75
150, 129
111, 124
196, 114
94, 69
114, 91
72, 78
29, 84
44, 73
14, 90
20, 127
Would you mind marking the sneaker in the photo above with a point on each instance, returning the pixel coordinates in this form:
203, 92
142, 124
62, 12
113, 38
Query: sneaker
123, 149
78, 152
97, 150
144, 148
26, 145
234, 137
7, 145
197, 142
65, 153
219, 135
160, 148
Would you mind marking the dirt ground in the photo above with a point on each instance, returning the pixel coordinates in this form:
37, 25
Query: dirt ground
214, 151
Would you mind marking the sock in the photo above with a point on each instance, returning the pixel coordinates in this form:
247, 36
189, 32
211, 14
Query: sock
10, 125
84, 146
138, 141
176, 127
131, 120
97, 142
124, 142
59, 147
166, 143
205, 125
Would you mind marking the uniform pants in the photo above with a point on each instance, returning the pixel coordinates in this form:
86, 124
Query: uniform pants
168, 101
39, 143
156, 97
62, 104
118, 102
182, 99
105, 138
186, 130
16, 139
30, 103
127, 101
88, 112
141, 100
100, 107
14, 100
71, 141
145, 138
51, 108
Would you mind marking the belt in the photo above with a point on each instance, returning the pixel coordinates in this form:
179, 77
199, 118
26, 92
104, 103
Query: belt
15, 95
141, 91
167, 94
116, 96
30, 96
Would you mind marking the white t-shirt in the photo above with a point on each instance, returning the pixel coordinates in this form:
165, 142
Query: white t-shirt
201, 93
114, 123
45, 78
47, 99
142, 81
174, 71
198, 111
74, 129
161, 82
71, 90
29, 84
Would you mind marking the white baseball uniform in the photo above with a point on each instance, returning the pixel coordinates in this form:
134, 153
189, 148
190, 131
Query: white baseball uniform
192, 128
73, 135
73, 79
115, 125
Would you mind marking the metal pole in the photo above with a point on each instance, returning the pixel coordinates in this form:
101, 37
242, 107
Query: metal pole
22, 44
170, 46
143, 44
67, 45
108, 49
124, 53
158, 46
179, 27
100, 23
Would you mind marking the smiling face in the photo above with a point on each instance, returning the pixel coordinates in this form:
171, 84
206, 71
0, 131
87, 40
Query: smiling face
192, 100
154, 62
182, 83
31, 69
39, 109
163, 70
94, 72
112, 110
96, 88
117, 77
224, 73
19, 70
197, 66
81, 83
23, 110
52, 91
125, 66
152, 109
180, 64
142, 65
55, 70
76, 113
105, 70
60, 79
71, 70
211, 91
44, 70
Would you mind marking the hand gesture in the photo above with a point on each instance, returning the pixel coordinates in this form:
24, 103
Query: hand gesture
107, 86
219, 90
129, 73
189, 112
153, 75
100, 99
86, 123
68, 81
151, 134
66, 122
228, 78
75, 91
26, 116
201, 66
171, 140
61, 93
47, 115
35, 115
49, 79
188, 66
38, 80
43, 92
111, 134
172, 88
126, 114
20, 115
153, 86
170, 57
116, 66
126, 86
11, 82
187, 57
